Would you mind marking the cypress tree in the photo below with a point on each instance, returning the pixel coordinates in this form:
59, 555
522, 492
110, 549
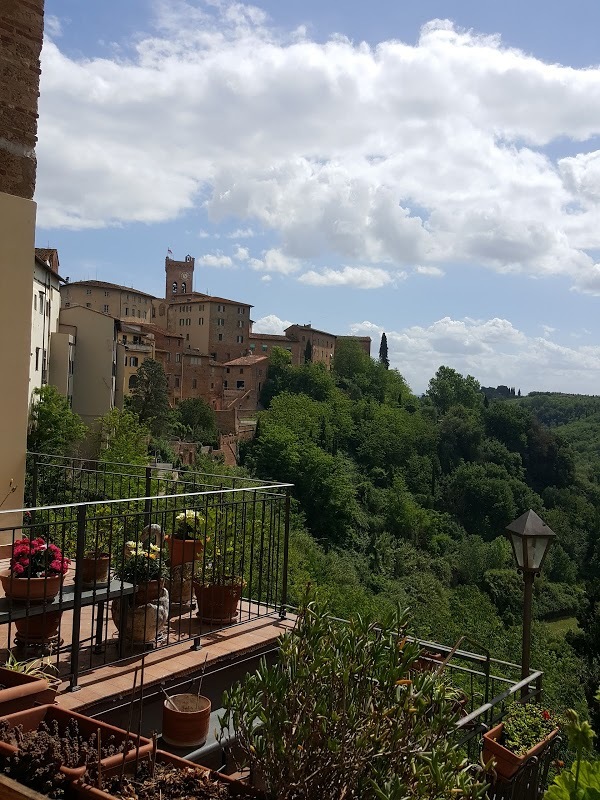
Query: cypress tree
383, 352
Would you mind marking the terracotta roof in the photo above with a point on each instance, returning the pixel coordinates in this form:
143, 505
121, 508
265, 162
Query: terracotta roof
272, 337
105, 284
311, 330
199, 297
49, 255
245, 361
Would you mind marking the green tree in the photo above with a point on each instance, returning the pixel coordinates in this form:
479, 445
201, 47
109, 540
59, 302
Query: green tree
448, 388
308, 352
383, 352
150, 398
122, 438
198, 419
53, 427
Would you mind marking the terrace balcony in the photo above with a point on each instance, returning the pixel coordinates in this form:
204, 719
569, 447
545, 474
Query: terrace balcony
242, 529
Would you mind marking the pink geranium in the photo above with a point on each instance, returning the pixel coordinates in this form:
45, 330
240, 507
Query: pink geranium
35, 558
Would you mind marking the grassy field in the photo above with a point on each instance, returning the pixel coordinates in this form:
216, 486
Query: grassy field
560, 627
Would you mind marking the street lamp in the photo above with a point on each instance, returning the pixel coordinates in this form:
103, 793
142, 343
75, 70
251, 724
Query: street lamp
530, 538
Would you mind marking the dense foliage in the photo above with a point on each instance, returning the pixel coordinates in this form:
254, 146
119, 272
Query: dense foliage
405, 499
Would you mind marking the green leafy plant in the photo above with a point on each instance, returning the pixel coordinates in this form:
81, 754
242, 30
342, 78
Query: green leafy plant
142, 566
36, 668
343, 714
103, 532
582, 781
525, 726
190, 524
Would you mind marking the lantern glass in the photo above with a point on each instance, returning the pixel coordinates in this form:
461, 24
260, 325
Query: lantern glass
529, 551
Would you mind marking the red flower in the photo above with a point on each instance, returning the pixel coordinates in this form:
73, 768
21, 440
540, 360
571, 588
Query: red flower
546, 714
17, 569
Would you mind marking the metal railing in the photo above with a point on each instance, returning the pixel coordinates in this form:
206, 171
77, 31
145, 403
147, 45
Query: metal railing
239, 545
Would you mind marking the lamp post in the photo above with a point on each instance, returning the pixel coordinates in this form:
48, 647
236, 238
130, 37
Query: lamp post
530, 538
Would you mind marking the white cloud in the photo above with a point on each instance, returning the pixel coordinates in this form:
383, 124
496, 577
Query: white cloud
547, 330
494, 351
241, 253
381, 157
266, 278
430, 272
271, 324
241, 233
215, 260
357, 277
53, 26
275, 261
202, 234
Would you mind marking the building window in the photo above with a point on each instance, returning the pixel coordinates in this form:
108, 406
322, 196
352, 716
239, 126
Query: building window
240, 385
220, 337
67, 305
240, 339
145, 312
241, 370
124, 339
252, 347
176, 382
139, 314
88, 291
264, 348
126, 311
41, 303
188, 321
177, 357
37, 359
153, 312
106, 294
168, 357
183, 288
220, 322
174, 288
240, 323
240, 309
212, 386
220, 307
200, 320
224, 384
132, 381
194, 384
187, 337
88, 305
133, 361
213, 356
34, 301
105, 308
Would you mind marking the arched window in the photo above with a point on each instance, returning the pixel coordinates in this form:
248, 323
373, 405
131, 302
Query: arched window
174, 287
132, 381
183, 288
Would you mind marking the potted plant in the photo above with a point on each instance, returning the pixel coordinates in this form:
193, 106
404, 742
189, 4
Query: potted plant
187, 541
146, 569
36, 571
526, 730
219, 590
100, 532
34, 680
148, 612
343, 714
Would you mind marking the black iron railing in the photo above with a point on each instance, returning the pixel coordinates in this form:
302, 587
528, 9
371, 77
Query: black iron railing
231, 569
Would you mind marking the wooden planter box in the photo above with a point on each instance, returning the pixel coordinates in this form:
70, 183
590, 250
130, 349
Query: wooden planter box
507, 762
22, 691
84, 791
33, 717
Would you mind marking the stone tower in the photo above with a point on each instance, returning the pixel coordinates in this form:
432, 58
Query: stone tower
179, 277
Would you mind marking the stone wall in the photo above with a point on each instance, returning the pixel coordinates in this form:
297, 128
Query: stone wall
21, 34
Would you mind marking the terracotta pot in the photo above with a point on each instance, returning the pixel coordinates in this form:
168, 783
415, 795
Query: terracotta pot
148, 592
236, 788
39, 631
507, 762
218, 603
181, 551
30, 590
186, 720
20, 691
33, 717
95, 569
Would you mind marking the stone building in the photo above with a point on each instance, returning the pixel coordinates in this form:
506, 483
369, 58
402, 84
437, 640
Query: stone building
242, 382
21, 44
364, 341
121, 302
45, 303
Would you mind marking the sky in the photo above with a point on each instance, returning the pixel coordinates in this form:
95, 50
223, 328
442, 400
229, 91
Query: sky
431, 170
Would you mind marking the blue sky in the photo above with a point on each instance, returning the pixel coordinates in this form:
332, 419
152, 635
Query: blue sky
431, 169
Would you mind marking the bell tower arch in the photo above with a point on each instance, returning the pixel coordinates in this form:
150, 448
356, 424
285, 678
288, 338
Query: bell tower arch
179, 277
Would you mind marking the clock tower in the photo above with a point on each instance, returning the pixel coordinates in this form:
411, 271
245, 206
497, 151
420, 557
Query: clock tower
179, 277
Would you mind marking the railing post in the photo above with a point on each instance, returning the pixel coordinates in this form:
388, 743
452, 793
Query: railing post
75, 635
147, 493
34, 487
538, 688
286, 542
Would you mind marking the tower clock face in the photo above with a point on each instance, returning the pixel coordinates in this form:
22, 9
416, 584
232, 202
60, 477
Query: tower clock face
184, 275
